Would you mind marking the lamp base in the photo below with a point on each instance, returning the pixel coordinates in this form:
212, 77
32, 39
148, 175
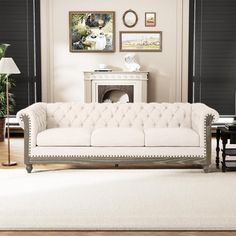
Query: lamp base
11, 163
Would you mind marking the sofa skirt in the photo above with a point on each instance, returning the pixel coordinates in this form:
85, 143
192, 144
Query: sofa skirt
117, 154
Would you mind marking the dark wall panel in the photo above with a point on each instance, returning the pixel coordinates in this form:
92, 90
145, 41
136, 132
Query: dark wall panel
213, 26
20, 27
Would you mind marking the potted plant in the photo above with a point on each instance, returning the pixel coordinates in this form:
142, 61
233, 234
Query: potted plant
3, 106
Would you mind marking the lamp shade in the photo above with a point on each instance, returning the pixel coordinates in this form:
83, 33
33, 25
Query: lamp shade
8, 66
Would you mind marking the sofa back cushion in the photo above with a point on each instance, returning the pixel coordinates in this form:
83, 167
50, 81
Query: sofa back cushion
103, 115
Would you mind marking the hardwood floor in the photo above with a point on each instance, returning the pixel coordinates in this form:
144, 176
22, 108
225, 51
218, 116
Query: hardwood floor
17, 155
115, 233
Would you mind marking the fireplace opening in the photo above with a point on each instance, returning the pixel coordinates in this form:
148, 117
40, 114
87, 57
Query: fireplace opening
115, 93
115, 96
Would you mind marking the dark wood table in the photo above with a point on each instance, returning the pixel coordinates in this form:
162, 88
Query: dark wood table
225, 135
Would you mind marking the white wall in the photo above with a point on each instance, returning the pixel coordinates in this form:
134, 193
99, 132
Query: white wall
63, 71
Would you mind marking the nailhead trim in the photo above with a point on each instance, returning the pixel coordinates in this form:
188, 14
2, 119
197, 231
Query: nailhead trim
120, 156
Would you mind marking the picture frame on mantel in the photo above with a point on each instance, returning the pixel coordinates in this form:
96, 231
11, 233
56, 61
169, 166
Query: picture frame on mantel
92, 31
140, 41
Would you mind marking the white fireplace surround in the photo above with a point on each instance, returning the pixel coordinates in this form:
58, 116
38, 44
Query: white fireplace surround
136, 82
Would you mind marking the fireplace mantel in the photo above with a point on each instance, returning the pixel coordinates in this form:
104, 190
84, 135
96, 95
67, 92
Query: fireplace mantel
133, 83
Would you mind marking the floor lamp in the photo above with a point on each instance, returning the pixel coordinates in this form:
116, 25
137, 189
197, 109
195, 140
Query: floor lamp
8, 67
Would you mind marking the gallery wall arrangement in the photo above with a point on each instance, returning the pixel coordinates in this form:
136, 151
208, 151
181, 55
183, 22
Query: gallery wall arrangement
94, 31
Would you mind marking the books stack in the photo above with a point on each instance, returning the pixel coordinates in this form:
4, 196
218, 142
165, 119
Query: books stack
103, 70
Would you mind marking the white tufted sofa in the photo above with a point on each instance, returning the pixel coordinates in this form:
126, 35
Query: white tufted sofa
140, 132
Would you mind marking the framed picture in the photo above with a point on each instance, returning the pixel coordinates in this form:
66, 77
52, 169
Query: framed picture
92, 31
150, 19
140, 41
130, 18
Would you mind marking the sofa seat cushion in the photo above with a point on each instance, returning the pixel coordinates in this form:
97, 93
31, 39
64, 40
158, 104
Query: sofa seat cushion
117, 137
171, 137
64, 137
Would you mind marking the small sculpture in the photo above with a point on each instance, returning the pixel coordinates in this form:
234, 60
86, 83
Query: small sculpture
130, 62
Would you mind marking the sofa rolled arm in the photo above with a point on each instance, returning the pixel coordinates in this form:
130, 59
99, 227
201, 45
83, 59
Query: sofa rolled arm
202, 117
33, 120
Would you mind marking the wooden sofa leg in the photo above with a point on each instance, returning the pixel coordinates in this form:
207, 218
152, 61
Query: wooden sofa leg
206, 169
29, 168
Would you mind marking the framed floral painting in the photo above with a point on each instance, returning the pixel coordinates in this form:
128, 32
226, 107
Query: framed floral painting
92, 31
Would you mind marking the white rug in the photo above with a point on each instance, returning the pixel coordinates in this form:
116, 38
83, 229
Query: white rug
117, 199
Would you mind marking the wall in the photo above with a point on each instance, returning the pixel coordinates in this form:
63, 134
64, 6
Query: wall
63, 71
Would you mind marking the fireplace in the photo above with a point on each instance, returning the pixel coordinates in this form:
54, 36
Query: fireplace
122, 87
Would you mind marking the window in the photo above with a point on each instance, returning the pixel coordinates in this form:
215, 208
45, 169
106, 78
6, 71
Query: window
212, 65
20, 27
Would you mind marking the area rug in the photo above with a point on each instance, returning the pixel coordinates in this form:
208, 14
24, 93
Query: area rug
117, 200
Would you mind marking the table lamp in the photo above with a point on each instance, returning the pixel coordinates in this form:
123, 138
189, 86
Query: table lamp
8, 67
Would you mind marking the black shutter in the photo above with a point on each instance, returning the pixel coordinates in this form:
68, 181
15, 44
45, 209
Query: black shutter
213, 54
20, 27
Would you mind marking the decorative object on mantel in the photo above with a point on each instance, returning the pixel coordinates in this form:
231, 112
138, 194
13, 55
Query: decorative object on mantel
150, 19
130, 18
103, 68
140, 41
115, 86
130, 62
8, 67
92, 31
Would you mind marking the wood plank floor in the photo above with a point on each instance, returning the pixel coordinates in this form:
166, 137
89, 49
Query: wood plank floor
17, 155
112, 233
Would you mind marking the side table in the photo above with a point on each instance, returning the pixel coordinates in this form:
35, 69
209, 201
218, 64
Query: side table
225, 135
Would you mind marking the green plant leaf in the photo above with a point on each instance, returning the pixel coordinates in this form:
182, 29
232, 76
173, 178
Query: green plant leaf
3, 83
